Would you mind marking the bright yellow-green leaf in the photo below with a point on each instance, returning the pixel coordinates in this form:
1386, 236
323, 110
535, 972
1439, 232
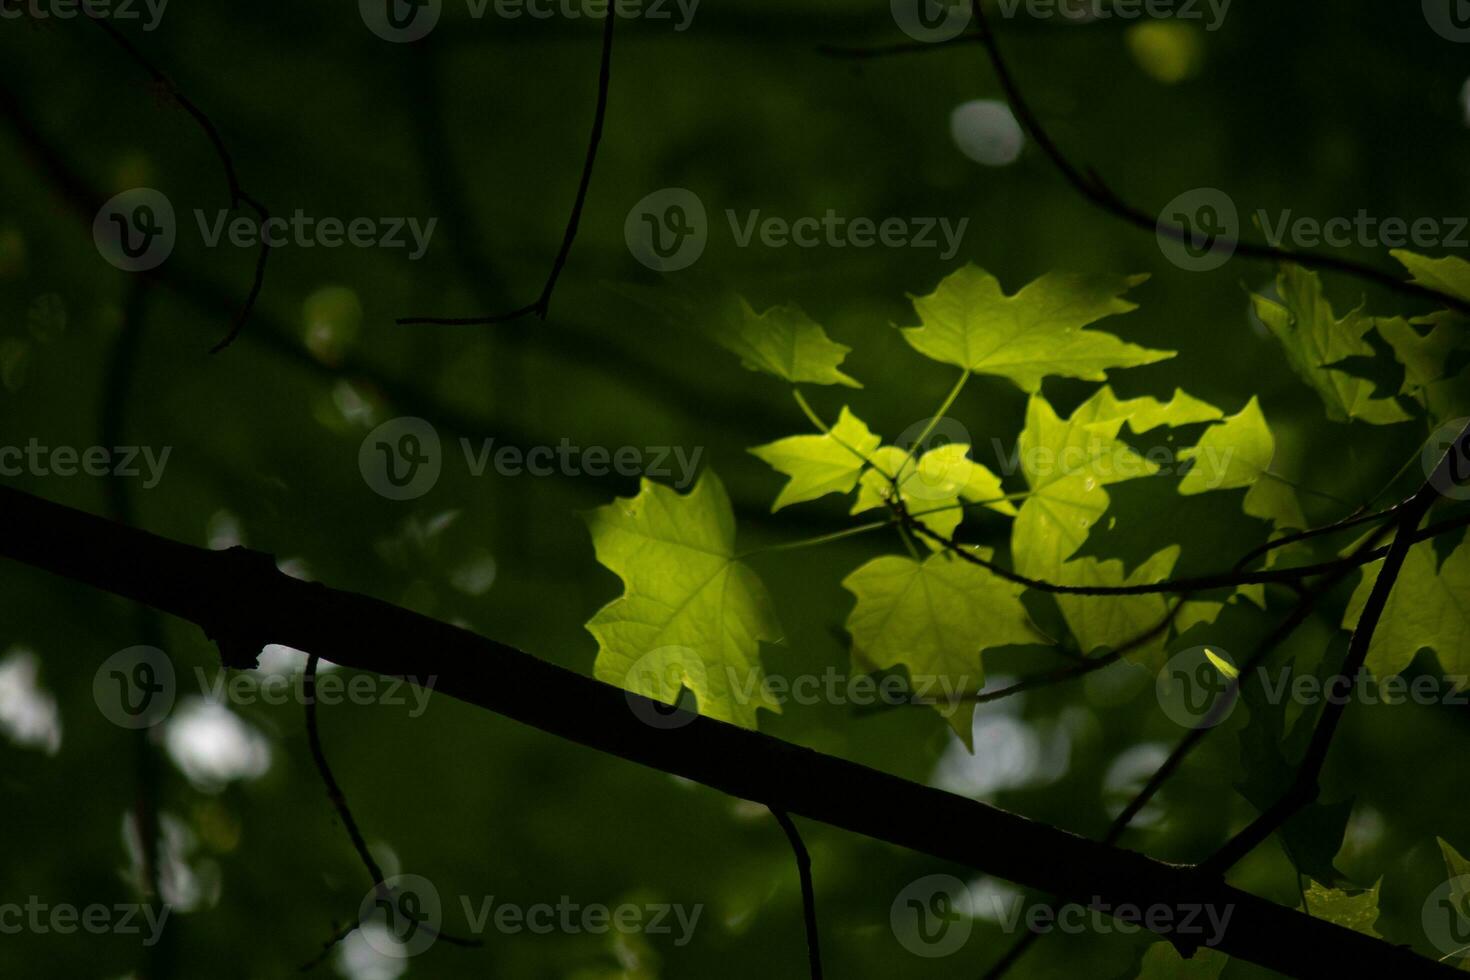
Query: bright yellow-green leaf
1067, 463
1163, 962
1230, 455
935, 618
932, 486
690, 615
785, 342
1225, 667
1426, 608
969, 322
1454, 863
1458, 870
1146, 413
820, 464
1450, 274
1357, 911
1313, 337
1237, 453
1422, 355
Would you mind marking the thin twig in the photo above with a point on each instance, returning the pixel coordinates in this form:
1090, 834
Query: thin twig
1204, 583
344, 813
1352, 520
1300, 612
1304, 787
334, 790
238, 196
542, 304
1092, 189
808, 891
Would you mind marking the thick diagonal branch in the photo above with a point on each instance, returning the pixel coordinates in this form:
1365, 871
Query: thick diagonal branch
243, 601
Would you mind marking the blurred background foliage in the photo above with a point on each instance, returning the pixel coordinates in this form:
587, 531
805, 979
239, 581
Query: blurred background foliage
1320, 110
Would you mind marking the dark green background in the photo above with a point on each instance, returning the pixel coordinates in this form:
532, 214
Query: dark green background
1324, 109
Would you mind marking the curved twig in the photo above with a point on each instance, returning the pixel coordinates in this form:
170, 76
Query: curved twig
1092, 189
238, 196
808, 891
542, 303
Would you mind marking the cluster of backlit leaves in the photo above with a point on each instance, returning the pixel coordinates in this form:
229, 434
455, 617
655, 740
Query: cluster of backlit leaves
693, 615
1084, 506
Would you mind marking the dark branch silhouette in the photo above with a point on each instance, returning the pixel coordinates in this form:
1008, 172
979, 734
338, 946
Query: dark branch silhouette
1203, 583
1304, 788
243, 601
349, 822
808, 892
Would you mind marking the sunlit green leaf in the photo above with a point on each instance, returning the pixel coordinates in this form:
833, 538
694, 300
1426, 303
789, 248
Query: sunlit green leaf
820, 464
690, 615
935, 617
785, 342
969, 321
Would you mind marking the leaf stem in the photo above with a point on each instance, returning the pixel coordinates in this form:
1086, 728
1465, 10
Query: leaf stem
933, 421
807, 410
819, 539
